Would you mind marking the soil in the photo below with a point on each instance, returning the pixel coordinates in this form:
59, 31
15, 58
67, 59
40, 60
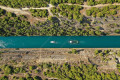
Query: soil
59, 55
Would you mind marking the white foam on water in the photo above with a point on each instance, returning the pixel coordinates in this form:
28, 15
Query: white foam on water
2, 44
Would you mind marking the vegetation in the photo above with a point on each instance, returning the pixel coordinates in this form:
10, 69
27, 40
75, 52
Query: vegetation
95, 2
103, 54
103, 12
74, 51
12, 70
43, 3
19, 25
39, 13
13, 25
7, 69
118, 67
31, 67
117, 31
55, 30
70, 11
4, 78
24, 3
65, 71
78, 72
106, 53
55, 2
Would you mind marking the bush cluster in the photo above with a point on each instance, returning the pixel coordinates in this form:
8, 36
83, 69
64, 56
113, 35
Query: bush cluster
79, 72
103, 12
13, 25
24, 3
70, 11
39, 13
74, 51
55, 2
95, 2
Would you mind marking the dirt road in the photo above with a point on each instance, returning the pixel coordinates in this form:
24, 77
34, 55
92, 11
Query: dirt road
24, 11
48, 8
14, 10
99, 5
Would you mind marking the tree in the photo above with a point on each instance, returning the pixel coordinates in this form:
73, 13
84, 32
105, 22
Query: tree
4, 78
21, 78
29, 78
88, 12
78, 1
16, 70
96, 52
74, 51
113, 12
70, 16
31, 67
52, 2
117, 31
100, 14
37, 78
50, 18
67, 79
97, 27
8, 70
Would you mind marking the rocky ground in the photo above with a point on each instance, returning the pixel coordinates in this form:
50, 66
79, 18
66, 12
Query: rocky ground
35, 56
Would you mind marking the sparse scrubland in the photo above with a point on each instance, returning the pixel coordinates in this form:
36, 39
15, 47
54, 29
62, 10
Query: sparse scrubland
69, 64
64, 18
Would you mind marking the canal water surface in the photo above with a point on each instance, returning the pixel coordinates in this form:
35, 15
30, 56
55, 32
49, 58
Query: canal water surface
60, 42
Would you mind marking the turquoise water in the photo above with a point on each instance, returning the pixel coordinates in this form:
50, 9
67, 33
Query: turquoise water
60, 42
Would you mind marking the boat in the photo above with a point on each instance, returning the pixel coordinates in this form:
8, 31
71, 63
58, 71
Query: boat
73, 42
52, 42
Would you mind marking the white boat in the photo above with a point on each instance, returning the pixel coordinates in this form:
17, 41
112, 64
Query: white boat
73, 42
52, 42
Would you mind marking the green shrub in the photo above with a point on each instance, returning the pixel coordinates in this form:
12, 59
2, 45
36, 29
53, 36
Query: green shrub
117, 31
39, 13
96, 52
31, 67
21, 78
4, 78
8, 69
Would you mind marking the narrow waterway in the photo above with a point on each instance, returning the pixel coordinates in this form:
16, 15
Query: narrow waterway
60, 42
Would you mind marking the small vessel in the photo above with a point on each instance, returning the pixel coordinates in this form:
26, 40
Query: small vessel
73, 42
52, 42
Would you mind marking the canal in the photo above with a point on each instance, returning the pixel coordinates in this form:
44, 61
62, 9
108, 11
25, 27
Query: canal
60, 42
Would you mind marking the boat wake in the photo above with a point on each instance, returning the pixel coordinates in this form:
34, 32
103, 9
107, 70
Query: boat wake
82, 41
2, 44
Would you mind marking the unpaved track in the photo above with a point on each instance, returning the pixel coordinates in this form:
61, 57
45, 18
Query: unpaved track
48, 8
24, 12
99, 5
14, 10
